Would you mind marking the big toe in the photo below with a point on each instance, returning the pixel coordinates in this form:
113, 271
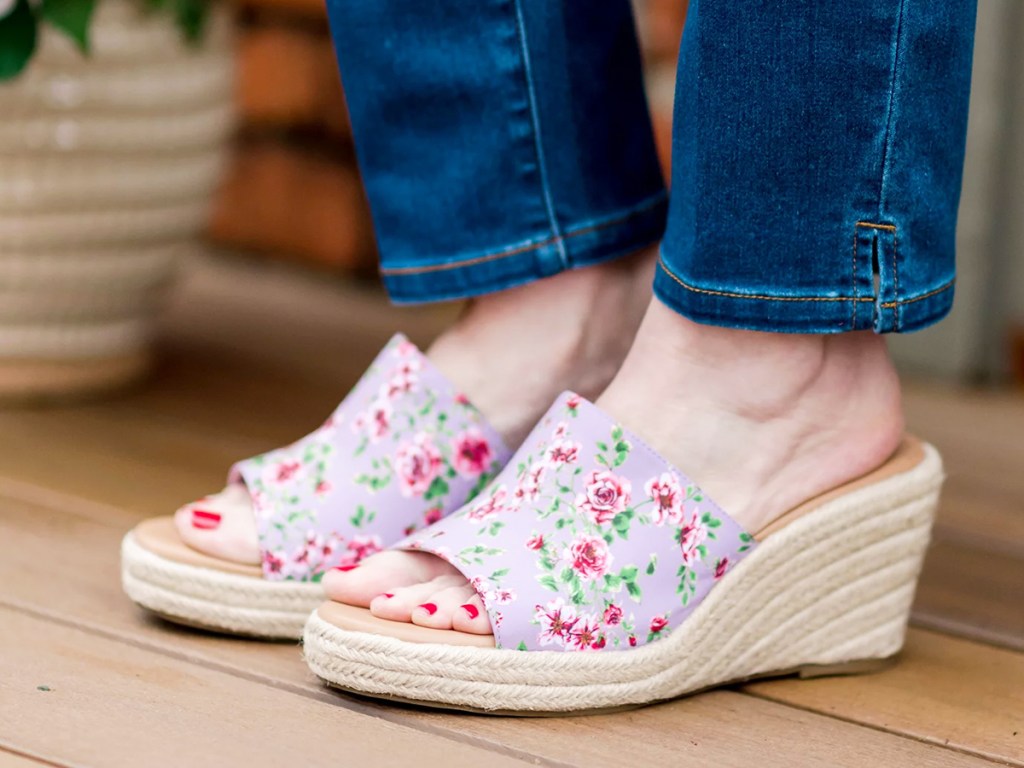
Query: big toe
222, 525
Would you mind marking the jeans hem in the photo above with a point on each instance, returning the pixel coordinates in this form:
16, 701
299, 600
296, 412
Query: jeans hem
818, 314
581, 245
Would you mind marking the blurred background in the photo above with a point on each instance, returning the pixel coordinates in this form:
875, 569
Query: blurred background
187, 278
158, 174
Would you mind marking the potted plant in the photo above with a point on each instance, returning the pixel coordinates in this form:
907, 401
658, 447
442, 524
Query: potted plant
114, 116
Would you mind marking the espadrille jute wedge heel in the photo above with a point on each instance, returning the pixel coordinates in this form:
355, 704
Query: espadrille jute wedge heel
644, 589
402, 450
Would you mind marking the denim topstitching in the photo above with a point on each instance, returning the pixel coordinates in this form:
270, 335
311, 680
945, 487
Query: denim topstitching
537, 140
886, 158
558, 239
761, 297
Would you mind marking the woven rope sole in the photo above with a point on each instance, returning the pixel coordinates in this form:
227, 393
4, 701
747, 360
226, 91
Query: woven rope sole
224, 602
831, 589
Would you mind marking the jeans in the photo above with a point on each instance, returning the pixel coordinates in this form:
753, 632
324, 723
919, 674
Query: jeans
816, 162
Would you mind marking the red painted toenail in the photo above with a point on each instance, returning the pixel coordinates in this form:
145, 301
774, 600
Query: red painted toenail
429, 608
471, 610
346, 567
206, 521
388, 595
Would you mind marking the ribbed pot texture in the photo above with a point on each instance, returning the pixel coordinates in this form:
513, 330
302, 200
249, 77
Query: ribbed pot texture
107, 168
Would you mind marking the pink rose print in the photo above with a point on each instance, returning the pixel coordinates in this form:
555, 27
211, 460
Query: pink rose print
605, 495
405, 349
375, 421
379, 420
528, 487
556, 622
328, 545
284, 472
572, 402
590, 556
492, 505
612, 615
584, 634
323, 487
432, 515
692, 534
667, 497
632, 641
501, 596
461, 399
563, 452
561, 430
364, 546
273, 564
658, 623
403, 379
471, 453
417, 463
535, 542
601, 642
721, 567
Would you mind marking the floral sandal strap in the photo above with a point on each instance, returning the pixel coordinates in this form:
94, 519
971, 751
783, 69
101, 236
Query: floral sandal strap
588, 539
403, 450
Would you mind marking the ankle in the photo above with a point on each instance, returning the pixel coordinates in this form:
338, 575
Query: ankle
512, 352
763, 421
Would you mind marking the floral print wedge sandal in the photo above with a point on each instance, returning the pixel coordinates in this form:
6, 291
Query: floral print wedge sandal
612, 580
401, 451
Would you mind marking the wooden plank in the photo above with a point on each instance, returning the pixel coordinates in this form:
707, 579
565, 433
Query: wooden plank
16, 760
944, 691
977, 431
992, 520
720, 728
972, 591
725, 727
71, 696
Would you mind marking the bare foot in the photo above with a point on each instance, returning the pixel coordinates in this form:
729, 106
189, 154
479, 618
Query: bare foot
511, 353
762, 421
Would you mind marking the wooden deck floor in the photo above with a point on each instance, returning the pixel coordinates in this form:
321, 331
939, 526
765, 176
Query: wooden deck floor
87, 680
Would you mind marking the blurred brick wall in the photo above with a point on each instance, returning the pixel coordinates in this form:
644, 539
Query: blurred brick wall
292, 191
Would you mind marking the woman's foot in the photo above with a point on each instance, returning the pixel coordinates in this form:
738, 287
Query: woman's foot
762, 421
511, 353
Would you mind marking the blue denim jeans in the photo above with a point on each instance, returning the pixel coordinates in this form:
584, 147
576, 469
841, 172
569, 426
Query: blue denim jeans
816, 162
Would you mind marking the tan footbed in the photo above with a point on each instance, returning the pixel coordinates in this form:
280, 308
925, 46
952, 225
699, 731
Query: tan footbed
160, 536
908, 455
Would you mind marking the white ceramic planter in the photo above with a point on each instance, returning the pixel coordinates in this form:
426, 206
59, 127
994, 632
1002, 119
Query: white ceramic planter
107, 167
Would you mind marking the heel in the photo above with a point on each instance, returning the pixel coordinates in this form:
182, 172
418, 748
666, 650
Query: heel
839, 587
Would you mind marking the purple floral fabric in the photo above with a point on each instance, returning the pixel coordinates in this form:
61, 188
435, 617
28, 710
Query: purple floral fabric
587, 540
403, 450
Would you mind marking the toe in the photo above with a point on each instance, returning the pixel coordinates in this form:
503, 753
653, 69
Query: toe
440, 608
471, 617
221, 525
405, 600
384, 572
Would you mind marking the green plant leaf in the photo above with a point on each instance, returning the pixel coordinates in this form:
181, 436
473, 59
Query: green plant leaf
18, 33
548, 581
628, 573
634, 590
72, 17
438, 487
191, 17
